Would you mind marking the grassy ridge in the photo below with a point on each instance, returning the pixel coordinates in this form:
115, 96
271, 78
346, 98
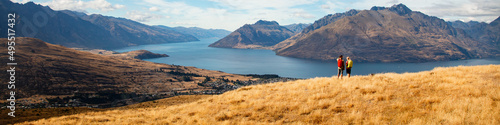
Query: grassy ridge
457, 95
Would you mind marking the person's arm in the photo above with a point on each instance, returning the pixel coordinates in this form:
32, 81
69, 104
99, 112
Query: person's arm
343, 66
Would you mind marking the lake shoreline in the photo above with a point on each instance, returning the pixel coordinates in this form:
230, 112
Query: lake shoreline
257, 61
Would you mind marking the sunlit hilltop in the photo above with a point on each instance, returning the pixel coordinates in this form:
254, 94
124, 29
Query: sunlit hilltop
456, 95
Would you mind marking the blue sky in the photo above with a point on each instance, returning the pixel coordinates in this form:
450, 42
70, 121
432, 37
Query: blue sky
231, 14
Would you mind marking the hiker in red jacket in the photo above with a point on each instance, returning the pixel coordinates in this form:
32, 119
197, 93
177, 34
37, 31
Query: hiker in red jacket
340, 64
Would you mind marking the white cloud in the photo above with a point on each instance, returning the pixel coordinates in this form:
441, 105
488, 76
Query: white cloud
329, 7
82, 6
231, 14
393, 2
154, 9
181, 23
303, 15
118, 6
143, 17
177, 8
20, 1
261, 4
478, 10
324, 6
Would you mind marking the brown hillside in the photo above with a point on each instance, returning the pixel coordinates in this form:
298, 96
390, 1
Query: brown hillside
48, 71
316, 25
482, 32
456, 95
394, 34
256, 36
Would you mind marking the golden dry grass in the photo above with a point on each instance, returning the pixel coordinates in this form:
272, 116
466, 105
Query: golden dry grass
457, 95
176, 100
23, 115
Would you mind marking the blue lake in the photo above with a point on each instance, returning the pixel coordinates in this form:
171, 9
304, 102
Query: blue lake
246, 61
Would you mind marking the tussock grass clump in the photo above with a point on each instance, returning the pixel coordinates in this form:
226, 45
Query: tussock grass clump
457, 95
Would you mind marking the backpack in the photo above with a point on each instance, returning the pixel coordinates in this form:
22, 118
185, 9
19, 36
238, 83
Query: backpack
340, 63
347, 64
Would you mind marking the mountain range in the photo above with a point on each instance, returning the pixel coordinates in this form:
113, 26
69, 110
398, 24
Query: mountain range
199, 33
134, 33
480, 31
381, 34
317, 24
95, 31
297, 28
259, 35
393, 34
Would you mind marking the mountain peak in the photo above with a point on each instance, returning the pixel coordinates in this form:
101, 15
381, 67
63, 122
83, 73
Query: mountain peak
375, 8
330, 36
401, 9
352, 12
498, 19
260, 35
495, 22
264, 22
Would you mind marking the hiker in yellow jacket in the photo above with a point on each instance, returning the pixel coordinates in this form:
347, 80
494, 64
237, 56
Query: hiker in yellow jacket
348, 64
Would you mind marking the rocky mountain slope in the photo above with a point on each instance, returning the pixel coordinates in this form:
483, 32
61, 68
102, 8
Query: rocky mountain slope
258, 35
297, 28
392, 34
316, 25
482, 32
74, 29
